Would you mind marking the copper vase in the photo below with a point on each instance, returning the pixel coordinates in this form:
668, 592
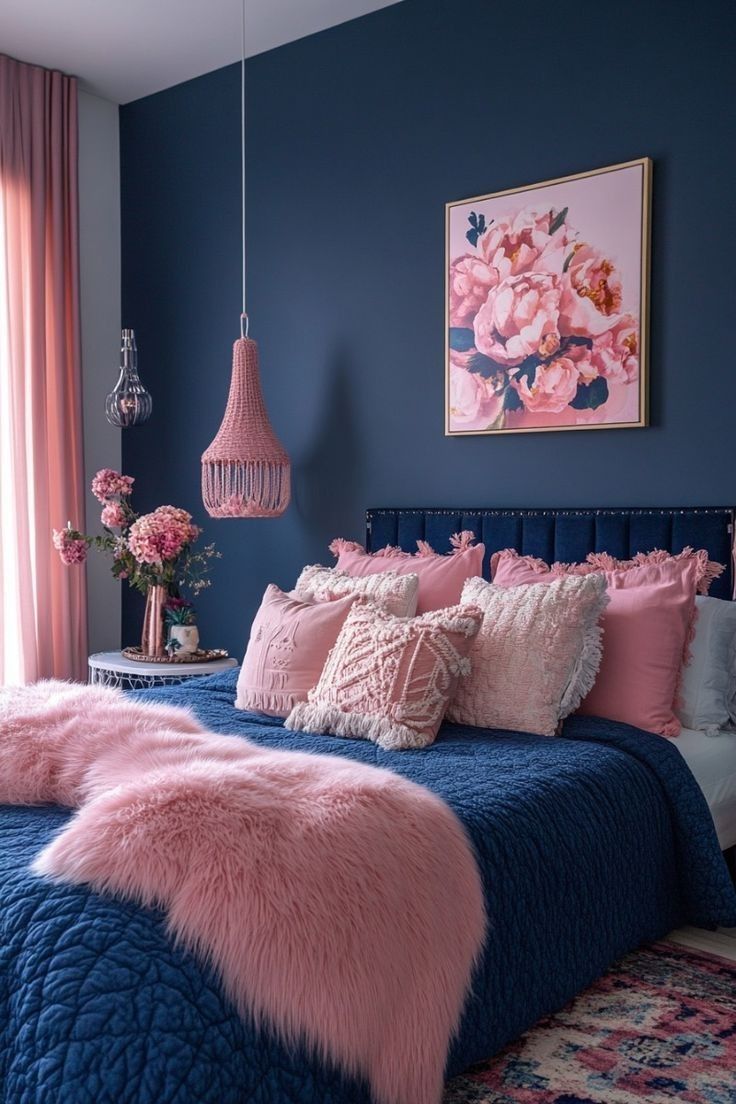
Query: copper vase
152, 642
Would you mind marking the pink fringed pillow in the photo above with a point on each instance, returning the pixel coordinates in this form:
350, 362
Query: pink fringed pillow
647, 627
389, 679
441, 577
536, 655
509, 568
393, 591
289, 643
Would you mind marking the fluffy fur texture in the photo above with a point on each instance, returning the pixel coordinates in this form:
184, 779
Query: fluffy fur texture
341, 904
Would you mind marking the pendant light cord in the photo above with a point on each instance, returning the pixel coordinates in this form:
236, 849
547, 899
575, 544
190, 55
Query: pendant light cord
244, 315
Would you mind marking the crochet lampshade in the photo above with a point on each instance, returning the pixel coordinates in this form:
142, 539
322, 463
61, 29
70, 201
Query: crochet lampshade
246, 472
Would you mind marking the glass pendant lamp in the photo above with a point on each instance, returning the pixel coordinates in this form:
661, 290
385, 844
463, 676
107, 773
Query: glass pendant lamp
129, 403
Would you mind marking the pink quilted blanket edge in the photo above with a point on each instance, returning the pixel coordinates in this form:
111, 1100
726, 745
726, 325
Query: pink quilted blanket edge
340, 903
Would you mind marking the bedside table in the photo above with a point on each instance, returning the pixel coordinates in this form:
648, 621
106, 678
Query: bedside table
113, 669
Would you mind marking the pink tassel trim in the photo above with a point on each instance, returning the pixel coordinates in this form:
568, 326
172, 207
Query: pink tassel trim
460, 542
708, 570
340, 545
532, 562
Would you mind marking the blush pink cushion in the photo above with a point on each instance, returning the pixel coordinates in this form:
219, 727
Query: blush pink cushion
288, 646
536, 654
441, 578
389, 679
647, 627
509, 560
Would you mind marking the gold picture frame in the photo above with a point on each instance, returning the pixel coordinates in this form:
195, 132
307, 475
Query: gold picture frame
547, 305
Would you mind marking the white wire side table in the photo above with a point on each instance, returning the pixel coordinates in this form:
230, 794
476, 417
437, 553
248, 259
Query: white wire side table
113, 669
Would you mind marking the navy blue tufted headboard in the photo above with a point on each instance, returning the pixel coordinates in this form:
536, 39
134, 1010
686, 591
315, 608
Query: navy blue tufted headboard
566, 534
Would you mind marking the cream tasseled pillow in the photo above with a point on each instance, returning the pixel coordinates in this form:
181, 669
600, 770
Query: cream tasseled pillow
394, 592
388, 679
536, 655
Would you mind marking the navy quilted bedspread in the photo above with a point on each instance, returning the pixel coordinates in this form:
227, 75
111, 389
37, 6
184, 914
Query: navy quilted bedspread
588, 846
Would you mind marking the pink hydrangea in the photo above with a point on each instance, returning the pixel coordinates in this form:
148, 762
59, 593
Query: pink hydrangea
520, 318
113, 515
160, 536
555, 385
109, 484
71, 547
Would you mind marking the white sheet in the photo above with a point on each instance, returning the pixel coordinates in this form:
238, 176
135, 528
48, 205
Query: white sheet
712, 759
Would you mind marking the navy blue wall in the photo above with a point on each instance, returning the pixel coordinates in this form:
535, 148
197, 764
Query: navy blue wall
356, 139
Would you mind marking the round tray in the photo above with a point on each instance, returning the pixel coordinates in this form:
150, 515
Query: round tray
205, 656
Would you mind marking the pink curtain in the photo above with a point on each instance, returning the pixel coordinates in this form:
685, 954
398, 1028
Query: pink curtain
42, 603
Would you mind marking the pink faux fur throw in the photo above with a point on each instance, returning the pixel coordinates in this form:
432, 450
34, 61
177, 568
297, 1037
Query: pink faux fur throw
340, 903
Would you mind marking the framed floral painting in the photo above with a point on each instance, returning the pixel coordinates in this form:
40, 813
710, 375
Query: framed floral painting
547, 303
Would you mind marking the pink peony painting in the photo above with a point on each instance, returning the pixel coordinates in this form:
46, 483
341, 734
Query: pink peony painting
547, 292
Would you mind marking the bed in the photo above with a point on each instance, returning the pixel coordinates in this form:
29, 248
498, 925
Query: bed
588, 846
712, 760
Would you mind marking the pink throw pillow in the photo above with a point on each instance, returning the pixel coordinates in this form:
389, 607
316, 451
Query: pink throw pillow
536, 655
510, 561
647, 628
441, 578
389, 679
288, 646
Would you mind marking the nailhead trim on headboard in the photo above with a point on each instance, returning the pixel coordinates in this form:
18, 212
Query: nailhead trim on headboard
568, 533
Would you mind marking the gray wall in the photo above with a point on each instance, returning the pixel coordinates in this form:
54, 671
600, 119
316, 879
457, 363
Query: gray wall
99, 246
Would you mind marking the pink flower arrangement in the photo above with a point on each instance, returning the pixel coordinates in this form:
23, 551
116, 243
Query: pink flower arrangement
161, 535
70, 545
113, 515
109, 484
537, 325
147, 550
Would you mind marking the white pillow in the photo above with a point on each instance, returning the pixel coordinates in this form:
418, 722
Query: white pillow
536, 655
395, 593
708, 690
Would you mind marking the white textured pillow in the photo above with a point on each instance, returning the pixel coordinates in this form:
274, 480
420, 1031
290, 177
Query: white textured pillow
536, 655
708, 689
395, 593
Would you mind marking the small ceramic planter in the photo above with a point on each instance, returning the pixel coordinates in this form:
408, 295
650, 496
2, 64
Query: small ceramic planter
186, 637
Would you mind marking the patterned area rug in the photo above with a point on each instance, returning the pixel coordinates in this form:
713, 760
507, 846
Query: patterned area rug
661, 1026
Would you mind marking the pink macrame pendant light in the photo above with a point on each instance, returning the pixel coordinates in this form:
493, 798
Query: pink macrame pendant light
246, 471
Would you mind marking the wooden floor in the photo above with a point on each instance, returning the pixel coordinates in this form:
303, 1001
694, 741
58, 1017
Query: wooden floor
721, 942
